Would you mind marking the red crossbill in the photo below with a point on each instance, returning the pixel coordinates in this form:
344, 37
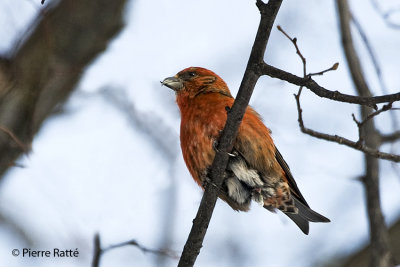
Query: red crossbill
256, 169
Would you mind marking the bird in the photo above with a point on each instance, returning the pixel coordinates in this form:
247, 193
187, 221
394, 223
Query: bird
256, 170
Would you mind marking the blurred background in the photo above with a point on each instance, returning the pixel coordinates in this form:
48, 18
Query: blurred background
107, 158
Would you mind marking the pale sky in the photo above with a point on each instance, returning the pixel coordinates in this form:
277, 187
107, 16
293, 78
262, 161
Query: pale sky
91, 171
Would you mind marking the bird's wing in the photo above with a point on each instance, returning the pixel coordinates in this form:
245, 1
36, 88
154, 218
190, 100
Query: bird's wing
292, 183
305, 213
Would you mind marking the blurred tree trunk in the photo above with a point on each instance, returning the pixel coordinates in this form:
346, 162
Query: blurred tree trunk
380, 254
361, 258
40, 74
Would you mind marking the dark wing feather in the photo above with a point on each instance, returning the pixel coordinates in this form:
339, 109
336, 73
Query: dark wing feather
305, 214
292, 182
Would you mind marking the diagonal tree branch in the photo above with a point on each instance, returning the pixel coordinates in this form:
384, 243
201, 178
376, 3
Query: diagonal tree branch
235, 115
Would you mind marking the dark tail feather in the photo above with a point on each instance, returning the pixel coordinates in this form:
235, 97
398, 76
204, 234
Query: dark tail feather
304, 216
300, 221
308, 214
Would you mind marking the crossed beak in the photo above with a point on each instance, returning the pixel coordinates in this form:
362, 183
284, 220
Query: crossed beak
174, 83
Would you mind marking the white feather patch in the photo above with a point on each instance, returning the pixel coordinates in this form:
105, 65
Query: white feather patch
246, 175
236, 190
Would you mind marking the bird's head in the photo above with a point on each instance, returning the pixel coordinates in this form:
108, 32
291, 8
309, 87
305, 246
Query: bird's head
195, 81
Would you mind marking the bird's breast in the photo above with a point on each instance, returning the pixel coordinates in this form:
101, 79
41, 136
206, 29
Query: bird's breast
200, 128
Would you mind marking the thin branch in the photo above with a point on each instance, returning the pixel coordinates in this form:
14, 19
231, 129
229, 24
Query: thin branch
162, 252
304, 62
303, 59
334, 67
378, 72
335, 138
98, 251
386, 15
309, 83
390, 138
377, 112
298, 52
200, 223
360, 138
360, 124
339, 139
371, 52
375, 64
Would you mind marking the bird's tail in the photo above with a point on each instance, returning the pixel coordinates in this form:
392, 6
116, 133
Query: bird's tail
304, 216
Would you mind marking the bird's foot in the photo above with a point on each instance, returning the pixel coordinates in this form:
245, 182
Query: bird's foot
208, 181
215, 145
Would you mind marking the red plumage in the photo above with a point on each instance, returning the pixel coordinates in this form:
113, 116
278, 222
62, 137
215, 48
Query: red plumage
256, 170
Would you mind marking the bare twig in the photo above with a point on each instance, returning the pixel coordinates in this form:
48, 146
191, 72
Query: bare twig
360, 124
377, 112
335, 138
360, 138
298, 52
162, 252
341, 140
390, 138
98, 251
386, 15
378, 72
303, 59
376, 65
334, 67
309, 83
371, 53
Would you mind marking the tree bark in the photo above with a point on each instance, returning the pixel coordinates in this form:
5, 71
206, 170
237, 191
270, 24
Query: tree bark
200, 224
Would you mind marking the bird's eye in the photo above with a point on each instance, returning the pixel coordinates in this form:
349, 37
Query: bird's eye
192, 74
